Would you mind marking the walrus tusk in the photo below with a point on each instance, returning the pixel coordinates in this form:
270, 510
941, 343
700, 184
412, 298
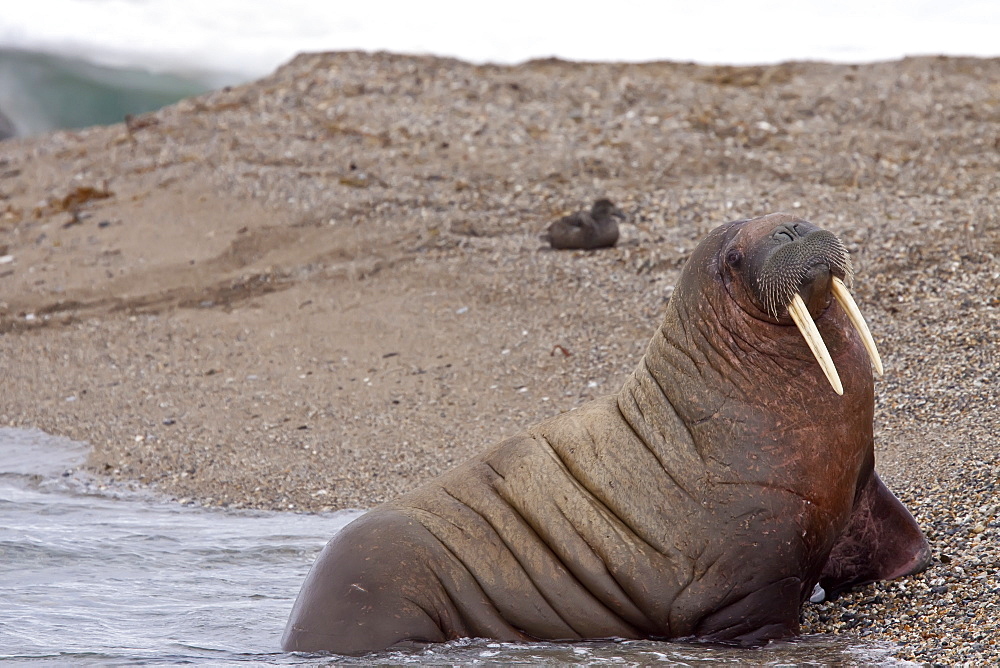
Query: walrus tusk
851, 308
800, 314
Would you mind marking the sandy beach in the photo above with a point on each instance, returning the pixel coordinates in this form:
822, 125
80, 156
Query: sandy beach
318, 290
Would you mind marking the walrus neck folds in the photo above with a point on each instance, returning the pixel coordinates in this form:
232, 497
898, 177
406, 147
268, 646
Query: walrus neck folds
695, 393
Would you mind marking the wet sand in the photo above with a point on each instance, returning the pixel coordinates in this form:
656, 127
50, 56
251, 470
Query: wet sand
321, 289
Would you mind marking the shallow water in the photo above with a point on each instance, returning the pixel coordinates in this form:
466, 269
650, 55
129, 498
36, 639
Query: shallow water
107, 577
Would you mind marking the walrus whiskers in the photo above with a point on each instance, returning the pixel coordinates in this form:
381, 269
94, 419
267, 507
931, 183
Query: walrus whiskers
843, 296
800, 314
788, 267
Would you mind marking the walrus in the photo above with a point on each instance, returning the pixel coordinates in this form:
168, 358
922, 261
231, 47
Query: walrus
731, 477
586, 230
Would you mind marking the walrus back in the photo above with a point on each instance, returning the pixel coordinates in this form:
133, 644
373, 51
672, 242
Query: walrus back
541, 537
518, 524
550, 548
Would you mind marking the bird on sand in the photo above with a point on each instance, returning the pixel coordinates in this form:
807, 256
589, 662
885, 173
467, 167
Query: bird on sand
586, 230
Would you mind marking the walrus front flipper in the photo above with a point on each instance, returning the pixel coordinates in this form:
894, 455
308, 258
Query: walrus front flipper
881, 542
766, 613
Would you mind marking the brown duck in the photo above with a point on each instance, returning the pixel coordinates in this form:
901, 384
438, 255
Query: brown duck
586, 230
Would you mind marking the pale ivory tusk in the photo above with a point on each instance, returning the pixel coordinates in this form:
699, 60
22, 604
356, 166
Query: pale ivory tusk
850, 307
800, 314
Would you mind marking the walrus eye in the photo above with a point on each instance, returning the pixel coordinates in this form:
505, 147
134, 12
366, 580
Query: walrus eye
734, 258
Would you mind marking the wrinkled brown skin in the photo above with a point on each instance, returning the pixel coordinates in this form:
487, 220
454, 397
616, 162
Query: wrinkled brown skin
704, 500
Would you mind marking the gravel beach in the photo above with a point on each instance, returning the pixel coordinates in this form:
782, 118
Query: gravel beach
318, 290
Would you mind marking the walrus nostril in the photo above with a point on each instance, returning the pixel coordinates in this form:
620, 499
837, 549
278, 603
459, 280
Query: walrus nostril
784, 234
790, 232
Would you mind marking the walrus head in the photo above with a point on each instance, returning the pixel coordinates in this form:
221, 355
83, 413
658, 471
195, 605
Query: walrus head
782, 269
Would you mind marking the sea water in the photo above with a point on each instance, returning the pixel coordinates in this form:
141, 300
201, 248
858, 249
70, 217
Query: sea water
127, 56
98, 575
